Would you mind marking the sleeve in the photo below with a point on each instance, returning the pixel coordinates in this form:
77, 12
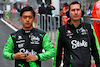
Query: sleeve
95, 48
52, 8
39, 10
94, 11
8, 49
58, 50
48, 47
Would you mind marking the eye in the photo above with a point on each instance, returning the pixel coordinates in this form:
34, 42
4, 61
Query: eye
24, 17
30, 17
78, 9
73, 9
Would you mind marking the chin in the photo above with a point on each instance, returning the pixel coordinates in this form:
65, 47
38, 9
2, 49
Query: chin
27, 26
76, 19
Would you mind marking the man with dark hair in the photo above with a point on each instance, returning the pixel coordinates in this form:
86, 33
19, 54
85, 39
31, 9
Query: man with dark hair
28, 42
42, 10
78, 40
49, 9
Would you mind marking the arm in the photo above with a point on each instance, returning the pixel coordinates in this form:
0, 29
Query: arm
8, 49
58, 51
48, 47
95, 48
52, 8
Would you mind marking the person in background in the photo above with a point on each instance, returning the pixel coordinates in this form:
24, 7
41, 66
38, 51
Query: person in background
87, 11
78, 40
14, 12
25, 45
91, 6
2, 14
42, 10
63, 13
49, 9
96, 15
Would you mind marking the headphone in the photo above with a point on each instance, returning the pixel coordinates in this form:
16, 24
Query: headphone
67, 13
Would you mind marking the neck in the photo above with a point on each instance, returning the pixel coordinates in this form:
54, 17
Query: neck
76, 23
27, 29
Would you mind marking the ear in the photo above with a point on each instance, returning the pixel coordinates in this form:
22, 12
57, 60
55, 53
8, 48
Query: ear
20, 19
33, 19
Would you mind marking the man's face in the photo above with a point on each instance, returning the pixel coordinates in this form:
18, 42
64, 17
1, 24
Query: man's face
75, 12
27, 19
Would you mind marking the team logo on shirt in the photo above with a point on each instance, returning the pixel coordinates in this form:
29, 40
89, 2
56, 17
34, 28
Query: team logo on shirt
69, 34
22, 50
34, 40
20, 45
76, 44
82, 31
19, 37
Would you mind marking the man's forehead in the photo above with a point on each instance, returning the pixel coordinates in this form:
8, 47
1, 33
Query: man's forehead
27, 13
75, 6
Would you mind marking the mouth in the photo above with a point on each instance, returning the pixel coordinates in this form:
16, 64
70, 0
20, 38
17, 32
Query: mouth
27, 23
75, 16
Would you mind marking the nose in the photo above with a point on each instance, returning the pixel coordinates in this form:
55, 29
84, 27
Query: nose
76, 11
27, 19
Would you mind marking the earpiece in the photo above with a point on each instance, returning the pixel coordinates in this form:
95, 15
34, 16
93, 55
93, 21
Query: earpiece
82, 13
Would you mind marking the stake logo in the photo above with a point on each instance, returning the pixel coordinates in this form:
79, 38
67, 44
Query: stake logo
76, 44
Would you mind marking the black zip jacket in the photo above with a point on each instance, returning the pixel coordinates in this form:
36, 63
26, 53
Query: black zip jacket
32, 42
49, 9
79, 44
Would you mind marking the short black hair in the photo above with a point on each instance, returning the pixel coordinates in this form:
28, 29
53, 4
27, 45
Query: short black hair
65, 4
42, 4
49, 3
27, 8
75, 2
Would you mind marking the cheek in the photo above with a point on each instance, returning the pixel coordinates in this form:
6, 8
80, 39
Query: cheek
31, 20
23, 23
71, 14
80, 14
22, 19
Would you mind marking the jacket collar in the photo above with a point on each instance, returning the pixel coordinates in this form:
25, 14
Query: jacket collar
71, 24
27, 32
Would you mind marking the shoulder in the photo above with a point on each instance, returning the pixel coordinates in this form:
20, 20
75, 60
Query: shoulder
17, 32
98, 2
39, 31
87, 25
62, 28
